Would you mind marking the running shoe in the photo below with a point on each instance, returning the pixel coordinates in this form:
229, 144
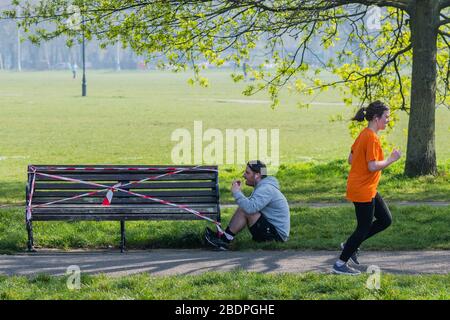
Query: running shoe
345, 270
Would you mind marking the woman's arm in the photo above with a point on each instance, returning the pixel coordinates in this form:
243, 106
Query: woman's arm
380, 165
350, 158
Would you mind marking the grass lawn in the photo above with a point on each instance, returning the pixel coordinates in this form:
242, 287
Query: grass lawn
310, 182
128, 118
326, 182
419, 227
229, 285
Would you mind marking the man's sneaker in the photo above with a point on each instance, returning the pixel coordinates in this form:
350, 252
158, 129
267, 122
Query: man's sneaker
210, 233
216, 242
345, 269
354, 257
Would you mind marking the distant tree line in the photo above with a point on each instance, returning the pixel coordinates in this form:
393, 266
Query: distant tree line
56, 55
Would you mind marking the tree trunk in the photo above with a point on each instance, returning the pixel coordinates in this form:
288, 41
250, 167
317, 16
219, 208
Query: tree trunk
421, 154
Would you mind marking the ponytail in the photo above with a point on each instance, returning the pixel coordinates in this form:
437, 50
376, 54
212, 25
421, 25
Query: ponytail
360, 115
375, 109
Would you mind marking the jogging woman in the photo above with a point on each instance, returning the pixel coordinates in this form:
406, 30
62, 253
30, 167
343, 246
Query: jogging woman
367, 160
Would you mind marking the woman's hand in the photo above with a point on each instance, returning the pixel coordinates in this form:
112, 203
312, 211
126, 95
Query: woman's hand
380, 165
395, 155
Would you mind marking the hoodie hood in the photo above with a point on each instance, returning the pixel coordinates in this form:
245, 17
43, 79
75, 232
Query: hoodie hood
269, 181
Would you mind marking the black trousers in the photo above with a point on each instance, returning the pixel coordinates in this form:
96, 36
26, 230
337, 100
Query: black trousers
367, 227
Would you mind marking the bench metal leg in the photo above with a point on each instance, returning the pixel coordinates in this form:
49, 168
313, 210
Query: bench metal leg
30, 243
122, 236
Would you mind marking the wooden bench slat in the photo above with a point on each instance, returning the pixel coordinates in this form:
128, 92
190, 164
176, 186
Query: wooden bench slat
124, 209
121, 168
128, 200
124, 206
129, 177
129, 212
146, 185
119, 217
120, 194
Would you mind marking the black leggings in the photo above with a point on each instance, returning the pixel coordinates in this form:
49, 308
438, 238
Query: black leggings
365, 211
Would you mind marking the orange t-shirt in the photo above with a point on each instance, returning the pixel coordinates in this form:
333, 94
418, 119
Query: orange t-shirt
361, 183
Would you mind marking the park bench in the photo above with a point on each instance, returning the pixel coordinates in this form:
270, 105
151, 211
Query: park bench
120, 193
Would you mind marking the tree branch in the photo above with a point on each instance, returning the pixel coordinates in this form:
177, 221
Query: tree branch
443, 33
444, 4
367, 77
399, 4
400, 83
324, 5
444, 22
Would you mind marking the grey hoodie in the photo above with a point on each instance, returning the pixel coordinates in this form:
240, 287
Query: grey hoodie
268, 199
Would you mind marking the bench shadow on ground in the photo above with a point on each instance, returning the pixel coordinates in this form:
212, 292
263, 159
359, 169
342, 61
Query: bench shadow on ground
157, 262
193, 262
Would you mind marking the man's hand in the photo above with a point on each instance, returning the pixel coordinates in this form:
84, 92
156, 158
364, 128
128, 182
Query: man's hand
236, 186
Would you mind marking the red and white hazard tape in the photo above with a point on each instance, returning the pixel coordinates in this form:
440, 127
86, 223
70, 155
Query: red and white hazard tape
119, 169
98, 185
109, 195
117, 187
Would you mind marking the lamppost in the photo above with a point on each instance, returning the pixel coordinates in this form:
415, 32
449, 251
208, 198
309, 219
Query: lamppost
19, 45
83, 83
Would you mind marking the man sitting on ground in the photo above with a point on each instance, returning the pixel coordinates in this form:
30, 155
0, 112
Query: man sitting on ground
265, 212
